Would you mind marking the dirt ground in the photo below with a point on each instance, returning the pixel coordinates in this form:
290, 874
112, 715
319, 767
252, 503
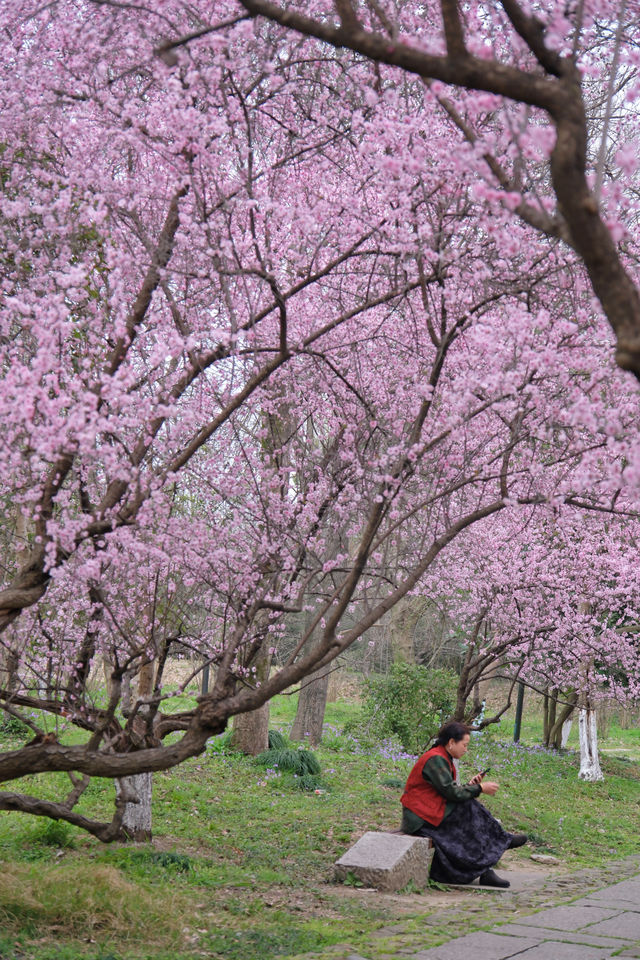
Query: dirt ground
524, 876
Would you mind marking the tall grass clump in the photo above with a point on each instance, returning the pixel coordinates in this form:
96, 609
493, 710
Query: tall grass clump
288, 760
80, 901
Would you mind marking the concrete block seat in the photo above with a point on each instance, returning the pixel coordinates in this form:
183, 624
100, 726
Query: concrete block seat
387, 861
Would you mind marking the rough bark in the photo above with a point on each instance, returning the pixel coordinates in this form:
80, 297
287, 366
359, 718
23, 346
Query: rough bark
402, 623
136, 819
251, 730
9, 664
312, 702
137, 790
550, 704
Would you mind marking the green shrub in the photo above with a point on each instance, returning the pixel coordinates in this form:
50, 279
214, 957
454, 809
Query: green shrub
12, 726
53, 833
411, 703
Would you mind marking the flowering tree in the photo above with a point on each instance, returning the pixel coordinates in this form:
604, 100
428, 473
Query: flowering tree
565, 68
264, 355
555, 605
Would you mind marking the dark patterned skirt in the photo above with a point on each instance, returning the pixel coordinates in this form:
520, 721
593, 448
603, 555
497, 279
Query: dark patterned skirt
467, 843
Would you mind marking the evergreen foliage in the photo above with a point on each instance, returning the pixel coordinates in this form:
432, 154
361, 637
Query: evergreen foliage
411, 703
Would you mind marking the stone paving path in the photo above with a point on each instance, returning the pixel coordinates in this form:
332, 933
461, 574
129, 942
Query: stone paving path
600, 925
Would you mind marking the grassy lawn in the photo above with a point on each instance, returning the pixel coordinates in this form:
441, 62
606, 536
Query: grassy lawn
241, 862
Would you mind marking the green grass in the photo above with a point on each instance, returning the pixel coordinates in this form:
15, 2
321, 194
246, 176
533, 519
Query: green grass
241, 862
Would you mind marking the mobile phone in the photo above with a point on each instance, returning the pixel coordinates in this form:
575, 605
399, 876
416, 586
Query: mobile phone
485, 772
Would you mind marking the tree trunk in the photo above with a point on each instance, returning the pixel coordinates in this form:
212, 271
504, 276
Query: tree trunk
10, 659
588, 732
549, 720
312, 702
465, 686
312, 699
402, 620
556, 733
125, 699
136, 822
107, 668
587, 721
517, 723
9, 666
564, 735
250, 731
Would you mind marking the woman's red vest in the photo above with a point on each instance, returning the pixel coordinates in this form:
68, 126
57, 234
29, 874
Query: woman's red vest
420, 796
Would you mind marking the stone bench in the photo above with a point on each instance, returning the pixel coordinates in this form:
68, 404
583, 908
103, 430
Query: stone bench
387, 861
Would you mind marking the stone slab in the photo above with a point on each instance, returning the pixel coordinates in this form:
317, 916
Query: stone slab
387, 861
570, 917
546, 933
625, 890
626, 926
477, 946
558, 950
612, 903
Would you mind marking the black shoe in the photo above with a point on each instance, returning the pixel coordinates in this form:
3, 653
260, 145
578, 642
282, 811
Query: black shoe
517, 840
491, 879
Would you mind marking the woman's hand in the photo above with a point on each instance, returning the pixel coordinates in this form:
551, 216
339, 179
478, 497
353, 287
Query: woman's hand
489, 787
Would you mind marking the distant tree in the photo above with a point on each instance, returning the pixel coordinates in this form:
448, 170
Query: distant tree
527, 618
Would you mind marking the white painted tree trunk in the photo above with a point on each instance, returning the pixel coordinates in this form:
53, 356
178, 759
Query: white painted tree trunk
566, 730
136, 823
588, 733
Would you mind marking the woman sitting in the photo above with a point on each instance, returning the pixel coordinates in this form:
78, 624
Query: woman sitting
468, 841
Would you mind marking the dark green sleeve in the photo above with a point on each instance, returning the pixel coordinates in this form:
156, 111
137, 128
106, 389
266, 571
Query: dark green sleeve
437, 772
411, 822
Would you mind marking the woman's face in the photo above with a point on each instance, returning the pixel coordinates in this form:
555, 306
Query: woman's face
458, 748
